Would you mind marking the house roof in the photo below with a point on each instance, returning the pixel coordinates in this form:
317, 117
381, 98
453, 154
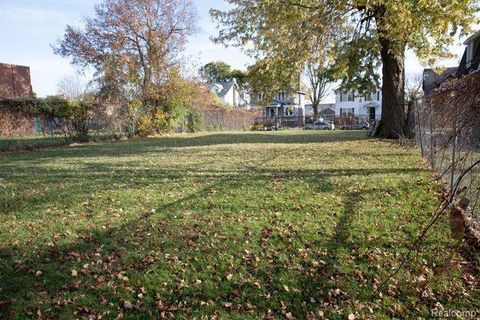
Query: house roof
473, 37
468, 63
340, 89
328, 110
222, 88
431, 79
371, 104
15, 82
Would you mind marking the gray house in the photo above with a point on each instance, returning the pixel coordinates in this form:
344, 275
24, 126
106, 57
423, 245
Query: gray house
286, 109
471, 58
433, 80
469, 64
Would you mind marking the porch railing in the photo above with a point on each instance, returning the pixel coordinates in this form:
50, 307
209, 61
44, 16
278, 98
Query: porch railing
285, 121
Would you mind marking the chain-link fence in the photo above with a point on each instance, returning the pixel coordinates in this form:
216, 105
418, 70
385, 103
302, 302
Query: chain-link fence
448, 132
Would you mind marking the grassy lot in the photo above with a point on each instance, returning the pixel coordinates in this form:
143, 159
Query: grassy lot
38, 142
8, 144
239, 226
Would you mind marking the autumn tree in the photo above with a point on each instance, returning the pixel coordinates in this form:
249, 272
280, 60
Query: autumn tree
367, 34
217, 71
319, 75
131, 44
270, 81
241, 77
73, 87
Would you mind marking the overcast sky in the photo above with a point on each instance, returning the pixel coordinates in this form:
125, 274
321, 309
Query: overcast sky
28, 28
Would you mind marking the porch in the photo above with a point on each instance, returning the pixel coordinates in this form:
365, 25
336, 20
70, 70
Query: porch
279, 122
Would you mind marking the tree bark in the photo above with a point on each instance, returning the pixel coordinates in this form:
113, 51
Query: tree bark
315, 110
392, 124
410, 119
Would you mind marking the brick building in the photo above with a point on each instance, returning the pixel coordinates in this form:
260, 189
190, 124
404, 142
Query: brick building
15, 82
15, 91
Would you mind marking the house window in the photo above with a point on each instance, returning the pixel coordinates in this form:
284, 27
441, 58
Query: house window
351, 96
347, 96
469, 54
282, 96
372, 96
289, 111
347, 112
259, 97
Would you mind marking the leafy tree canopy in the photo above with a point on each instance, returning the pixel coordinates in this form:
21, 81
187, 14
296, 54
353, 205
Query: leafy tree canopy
283, 33
131, 43
218, 71
357, 35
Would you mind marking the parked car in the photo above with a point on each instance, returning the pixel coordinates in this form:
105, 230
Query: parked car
320, 125
360, 125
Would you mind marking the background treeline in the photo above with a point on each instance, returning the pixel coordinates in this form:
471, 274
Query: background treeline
60, 120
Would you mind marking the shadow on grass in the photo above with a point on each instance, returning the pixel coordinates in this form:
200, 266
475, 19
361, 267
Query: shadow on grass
149, 145
179, 262
108, 177
187, 258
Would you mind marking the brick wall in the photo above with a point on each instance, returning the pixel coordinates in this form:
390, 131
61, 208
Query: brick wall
15, 82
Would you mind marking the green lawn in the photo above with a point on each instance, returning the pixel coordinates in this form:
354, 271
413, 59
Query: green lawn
235, 225
38, 142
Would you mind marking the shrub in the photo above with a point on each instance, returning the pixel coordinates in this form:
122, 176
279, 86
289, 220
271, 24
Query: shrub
193, 121
145, 126
71, 113
161, 120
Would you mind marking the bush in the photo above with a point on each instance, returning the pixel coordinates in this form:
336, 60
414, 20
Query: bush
161, 120
72, 113
145, 126
193, 121
222, 119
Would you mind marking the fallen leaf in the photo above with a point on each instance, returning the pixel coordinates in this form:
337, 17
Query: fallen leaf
127, 305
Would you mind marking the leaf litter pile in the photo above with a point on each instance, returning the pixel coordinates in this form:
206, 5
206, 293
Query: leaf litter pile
289, 225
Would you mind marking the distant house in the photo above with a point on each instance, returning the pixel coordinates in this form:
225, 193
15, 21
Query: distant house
326, 111
469, 64
228, 92
433, 80
471, 58
15, 82
351, 104
287, 108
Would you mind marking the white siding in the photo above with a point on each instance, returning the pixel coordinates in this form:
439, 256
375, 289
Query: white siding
360, 105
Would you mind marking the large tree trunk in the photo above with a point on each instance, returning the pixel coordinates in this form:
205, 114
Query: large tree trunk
315, 110
410, 118
392, 124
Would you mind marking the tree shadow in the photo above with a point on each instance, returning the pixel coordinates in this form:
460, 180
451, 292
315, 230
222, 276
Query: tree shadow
152, 145
160, 251
108, 176
190, 255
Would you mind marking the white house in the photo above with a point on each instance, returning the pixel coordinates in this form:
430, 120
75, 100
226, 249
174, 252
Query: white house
228, 92
352, 104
